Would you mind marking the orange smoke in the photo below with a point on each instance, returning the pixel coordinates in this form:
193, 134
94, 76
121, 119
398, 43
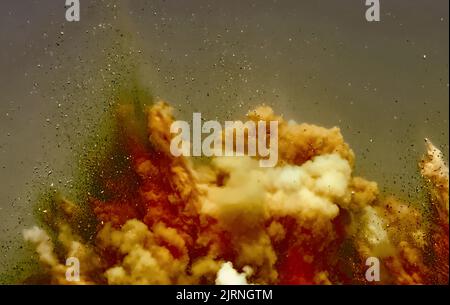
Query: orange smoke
169, 220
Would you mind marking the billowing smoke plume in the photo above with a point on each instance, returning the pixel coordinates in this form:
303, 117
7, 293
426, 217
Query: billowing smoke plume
308, 220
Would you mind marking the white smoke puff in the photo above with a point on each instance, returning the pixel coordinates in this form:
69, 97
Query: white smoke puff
302, 204
332, 174
327, 175
251, 194
309, 191
227, 275
239, 204
374, 233
44, 245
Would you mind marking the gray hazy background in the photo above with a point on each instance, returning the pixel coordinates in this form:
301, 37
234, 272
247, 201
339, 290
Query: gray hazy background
385, 84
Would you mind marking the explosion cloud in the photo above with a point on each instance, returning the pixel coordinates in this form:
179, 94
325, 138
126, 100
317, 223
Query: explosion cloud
309, 220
